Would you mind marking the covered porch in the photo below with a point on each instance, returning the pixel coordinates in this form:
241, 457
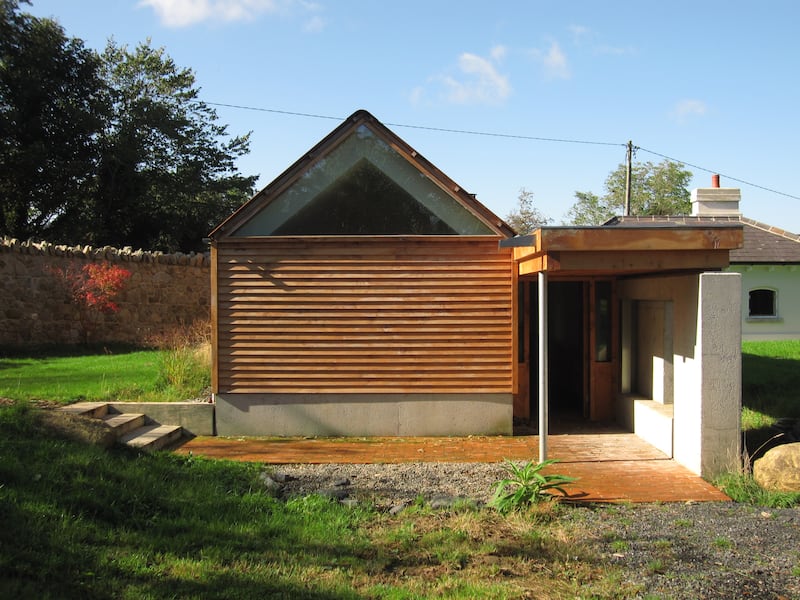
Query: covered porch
634, 326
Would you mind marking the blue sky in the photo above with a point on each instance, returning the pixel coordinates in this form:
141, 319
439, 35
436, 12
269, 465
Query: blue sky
713, 84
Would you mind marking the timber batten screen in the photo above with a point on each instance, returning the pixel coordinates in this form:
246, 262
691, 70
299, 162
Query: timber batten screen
364, 315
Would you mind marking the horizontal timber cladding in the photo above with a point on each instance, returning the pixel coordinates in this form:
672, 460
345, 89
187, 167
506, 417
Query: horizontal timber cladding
367, 315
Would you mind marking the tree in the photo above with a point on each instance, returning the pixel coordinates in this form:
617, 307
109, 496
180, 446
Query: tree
656, 189
51, 110
167, 170
526, 217
110, 149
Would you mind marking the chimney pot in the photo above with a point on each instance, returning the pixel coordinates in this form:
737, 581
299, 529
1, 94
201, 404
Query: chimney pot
715, 181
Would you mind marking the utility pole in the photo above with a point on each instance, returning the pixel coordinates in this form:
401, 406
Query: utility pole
629, 159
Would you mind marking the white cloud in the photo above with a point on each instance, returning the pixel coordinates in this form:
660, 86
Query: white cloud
554, 61
498, 53
585, 37
479, 82
579, 33
417, 95
183, 13
315, 24
685, 109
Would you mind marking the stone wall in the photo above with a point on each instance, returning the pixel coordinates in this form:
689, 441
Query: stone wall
163, 292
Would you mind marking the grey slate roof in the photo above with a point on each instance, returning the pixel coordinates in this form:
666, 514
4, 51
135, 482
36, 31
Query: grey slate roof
763, 244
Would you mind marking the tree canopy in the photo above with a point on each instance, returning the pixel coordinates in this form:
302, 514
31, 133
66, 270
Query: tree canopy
113, 148
526, 217
656, 189
51, 112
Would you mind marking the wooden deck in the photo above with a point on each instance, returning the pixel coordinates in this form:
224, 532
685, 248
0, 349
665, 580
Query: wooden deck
610, 466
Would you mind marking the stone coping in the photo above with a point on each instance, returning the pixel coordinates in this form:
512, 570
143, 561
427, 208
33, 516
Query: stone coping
126, 254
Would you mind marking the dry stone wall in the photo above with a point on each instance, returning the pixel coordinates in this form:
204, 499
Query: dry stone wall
164, 291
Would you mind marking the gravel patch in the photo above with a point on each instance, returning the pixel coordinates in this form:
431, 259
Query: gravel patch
701, 550
395, 484
692, 550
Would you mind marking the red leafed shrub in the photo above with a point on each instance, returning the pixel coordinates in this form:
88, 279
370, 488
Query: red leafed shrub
92, 290
100, 284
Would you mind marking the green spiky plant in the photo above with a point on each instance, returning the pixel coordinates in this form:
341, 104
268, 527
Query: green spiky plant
527, 485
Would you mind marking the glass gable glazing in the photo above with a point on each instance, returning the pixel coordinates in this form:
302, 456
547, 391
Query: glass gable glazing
364, 187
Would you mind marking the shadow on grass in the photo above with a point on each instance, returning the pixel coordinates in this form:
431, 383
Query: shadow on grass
83, 522
770, 387
67, 350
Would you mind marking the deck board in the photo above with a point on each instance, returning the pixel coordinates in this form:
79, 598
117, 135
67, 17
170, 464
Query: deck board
610, 466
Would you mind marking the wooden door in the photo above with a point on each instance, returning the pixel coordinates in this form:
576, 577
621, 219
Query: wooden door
602, 350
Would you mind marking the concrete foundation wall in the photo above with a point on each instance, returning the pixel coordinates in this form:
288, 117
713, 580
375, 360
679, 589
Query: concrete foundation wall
364, 414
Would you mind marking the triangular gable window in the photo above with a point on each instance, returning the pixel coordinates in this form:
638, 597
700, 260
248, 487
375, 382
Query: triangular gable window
364, 187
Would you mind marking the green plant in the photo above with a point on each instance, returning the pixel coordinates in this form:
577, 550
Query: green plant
742, 487
620, 546
184, 356
657, 565
722, 543
662, 544
527, 485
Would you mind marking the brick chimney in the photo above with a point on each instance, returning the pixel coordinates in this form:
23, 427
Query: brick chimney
716, 201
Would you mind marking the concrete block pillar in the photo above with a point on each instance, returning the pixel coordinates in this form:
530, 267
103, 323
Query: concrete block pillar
719, 348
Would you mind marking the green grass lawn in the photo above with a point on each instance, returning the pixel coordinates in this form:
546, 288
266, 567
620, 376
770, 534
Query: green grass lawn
770, 382
82, 522
121, 374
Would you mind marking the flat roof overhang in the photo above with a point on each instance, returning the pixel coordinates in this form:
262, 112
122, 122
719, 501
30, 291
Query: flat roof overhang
620, 250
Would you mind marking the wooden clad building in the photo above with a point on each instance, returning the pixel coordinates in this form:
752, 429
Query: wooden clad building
363, 292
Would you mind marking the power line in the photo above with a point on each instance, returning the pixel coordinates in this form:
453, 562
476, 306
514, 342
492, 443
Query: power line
275, 111
755, 185
511, 136
423, 127
506, 135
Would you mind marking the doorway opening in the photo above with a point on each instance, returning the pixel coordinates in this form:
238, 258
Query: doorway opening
566, 349
580, 350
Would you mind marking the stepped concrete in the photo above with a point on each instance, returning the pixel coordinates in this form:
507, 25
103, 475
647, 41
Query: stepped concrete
152, 437
123, 423
133, 424
93, 410
196, 418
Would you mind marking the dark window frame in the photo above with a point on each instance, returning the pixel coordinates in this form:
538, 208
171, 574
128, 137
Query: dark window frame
762, 303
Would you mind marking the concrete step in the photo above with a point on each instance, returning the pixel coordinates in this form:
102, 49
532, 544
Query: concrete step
152, 437
122, 423
94, 410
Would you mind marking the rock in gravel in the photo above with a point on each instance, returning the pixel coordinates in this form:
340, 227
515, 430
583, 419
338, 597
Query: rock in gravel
398, 508
336, 494
270, 484
281, 477
779, 468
